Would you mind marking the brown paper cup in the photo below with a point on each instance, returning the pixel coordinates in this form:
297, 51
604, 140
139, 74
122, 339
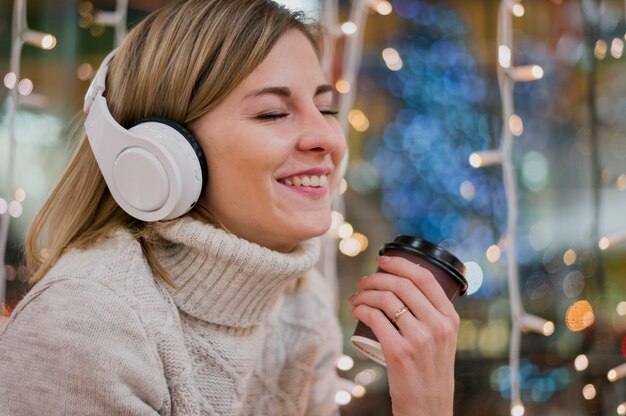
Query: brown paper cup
447, 269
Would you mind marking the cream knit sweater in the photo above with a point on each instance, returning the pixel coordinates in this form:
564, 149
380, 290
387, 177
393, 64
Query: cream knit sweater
99, 335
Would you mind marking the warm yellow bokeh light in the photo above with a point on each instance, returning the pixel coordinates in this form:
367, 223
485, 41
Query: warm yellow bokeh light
342, 86
579, 316
384, 8
358, 391
493, 253
569, 257
358, 120
362, 239
600, 49
516, 125
518, 10
350, 247
621, 308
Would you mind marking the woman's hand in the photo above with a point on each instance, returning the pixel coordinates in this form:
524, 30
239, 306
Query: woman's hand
420, 351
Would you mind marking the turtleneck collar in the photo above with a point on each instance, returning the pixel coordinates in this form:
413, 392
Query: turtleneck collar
226, 280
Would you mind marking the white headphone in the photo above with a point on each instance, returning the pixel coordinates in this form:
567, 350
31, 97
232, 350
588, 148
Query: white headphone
155, 170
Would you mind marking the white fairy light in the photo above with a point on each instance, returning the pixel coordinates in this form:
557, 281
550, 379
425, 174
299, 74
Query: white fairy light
532, 323
485, 158
609, 241
115, 19
616, 373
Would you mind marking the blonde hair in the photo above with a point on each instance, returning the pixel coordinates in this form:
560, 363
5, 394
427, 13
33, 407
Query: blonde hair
178, 63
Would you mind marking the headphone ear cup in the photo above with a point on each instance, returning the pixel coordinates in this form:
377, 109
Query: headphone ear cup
186, 134
162, 185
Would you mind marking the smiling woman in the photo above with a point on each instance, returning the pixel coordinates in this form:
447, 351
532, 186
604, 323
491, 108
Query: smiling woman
180, 244
278, 192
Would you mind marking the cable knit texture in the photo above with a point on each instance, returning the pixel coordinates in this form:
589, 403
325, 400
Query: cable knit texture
100, 335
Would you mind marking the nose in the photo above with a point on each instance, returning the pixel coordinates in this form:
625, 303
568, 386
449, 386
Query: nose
320, 133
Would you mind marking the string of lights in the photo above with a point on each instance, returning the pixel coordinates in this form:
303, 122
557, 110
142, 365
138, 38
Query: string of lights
11, 207
512, 125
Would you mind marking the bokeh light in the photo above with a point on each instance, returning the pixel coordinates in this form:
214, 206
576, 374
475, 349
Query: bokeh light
84, 72
48, 42
516, 125
621, 308
342, 86
600, 49
384, 7
581, 362
569, 257
467, 190
345, 362
358, 120
348, 28
345, 230
579, 316
15, 209
350, 247
392, 59
10, 80
474, 276
589, 391
342, 397
20, 195
504, 56
358, 391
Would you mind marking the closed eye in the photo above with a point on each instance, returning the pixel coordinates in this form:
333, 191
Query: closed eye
330, 113
271, 116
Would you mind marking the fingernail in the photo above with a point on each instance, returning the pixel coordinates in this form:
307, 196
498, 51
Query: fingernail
383, 259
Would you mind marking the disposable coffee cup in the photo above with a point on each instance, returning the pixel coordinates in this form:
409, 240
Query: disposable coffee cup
447, 269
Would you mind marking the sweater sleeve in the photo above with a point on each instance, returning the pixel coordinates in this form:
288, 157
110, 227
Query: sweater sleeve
74, 347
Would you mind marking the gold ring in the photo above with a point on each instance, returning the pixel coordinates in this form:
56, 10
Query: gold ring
399, 313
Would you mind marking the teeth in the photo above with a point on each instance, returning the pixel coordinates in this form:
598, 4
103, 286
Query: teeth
315, 181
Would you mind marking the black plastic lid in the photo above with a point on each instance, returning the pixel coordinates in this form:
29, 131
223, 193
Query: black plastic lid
433, 252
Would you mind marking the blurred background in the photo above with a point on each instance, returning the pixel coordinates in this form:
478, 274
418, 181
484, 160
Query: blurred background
426, 98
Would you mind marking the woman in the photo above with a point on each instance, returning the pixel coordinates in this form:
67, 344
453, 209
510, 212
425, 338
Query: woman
218, 311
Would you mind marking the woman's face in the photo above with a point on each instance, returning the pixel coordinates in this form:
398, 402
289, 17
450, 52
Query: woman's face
273, 149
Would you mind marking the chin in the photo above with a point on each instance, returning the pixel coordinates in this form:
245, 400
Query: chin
313, 230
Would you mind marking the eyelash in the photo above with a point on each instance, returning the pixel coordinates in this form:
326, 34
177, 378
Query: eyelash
276, 116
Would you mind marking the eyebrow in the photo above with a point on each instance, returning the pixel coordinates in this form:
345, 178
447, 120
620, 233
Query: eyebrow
286, 92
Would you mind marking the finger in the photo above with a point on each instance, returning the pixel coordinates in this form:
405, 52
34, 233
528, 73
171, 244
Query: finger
387, 335
395, 310
422, 278
405, 291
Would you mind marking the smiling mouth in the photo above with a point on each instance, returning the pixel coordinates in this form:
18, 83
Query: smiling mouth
310, 181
